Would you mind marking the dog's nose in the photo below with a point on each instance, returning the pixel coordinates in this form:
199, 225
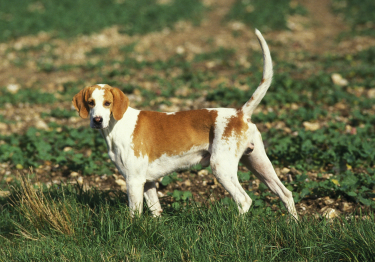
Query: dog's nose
98, 120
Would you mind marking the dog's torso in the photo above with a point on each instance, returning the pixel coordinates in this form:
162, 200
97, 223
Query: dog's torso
165, 142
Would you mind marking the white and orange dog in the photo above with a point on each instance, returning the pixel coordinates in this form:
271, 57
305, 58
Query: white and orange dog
146, 145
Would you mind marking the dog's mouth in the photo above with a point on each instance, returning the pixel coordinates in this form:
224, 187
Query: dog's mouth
97, 126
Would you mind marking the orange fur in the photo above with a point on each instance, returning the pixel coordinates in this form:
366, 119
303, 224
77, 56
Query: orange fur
236, 127
157, 133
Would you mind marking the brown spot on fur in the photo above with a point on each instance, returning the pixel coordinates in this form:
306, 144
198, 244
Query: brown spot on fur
236, 127
157, 133
263, 80
80, 101
120, 103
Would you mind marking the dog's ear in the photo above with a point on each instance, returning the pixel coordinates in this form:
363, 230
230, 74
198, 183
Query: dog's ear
120, 103
80, 103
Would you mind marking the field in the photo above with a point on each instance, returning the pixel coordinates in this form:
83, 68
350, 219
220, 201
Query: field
61, 197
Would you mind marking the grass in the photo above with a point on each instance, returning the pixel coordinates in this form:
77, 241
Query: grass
264, 15
62, 17
67, 223
361, 18
28, 95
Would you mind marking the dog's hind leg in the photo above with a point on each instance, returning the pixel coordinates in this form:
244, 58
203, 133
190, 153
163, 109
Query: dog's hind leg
226, 173
258, 163
152, 199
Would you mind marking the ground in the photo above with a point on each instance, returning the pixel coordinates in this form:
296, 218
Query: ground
316, 33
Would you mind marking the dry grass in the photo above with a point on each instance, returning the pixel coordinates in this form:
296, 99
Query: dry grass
40, 210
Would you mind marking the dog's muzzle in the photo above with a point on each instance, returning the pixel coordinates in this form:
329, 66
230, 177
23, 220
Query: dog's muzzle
97, 122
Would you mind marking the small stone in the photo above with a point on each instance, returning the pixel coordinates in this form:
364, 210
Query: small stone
120, 182
345, 206
294, 106
237, 26
285, 170
88, 152
328, 201
180, 50
187, 183
329, 213
294, 171
66, 149
80, 180
74, 174
97, 179
203, 172
311, 126
204, 183
9, 179
371, 93
210, 64
13, 88
327, 176
40, 124
337, 79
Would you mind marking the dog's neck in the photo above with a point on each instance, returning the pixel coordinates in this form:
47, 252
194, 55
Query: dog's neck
120, 128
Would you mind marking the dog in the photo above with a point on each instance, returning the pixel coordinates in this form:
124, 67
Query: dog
147, 145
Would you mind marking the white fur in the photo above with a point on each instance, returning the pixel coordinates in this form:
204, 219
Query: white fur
223, 153
99, 110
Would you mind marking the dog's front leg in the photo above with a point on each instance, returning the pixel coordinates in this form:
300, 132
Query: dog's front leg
258, 163
152, 199
135, 188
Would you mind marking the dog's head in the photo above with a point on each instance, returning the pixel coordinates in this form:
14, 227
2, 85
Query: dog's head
100, 102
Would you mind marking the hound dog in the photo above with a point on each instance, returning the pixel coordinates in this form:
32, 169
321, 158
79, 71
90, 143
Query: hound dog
146, 145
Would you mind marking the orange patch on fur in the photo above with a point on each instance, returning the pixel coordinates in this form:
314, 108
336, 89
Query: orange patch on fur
156, 134
80, 101
236, 127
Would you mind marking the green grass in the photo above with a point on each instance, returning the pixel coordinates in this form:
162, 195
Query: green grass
360, 17
70, 18
264, 15
29, 150
26, 95
92, 226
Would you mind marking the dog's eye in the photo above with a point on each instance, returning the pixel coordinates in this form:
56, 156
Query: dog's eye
91, 103
107, 104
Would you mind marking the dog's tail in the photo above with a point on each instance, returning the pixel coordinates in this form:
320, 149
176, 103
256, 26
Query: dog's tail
259, 93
